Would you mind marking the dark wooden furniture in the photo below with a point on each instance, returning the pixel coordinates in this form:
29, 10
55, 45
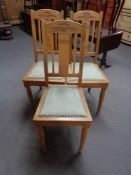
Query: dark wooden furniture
111, 11
33, 4
5, 26
107, 43
36, 5
69, 5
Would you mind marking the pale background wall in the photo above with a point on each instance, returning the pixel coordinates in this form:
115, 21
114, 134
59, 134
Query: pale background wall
127, 4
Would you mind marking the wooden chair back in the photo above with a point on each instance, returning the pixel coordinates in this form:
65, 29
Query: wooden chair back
47, 15
67, 32
93, 32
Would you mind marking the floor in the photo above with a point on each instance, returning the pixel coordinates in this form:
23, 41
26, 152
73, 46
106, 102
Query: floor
108, 147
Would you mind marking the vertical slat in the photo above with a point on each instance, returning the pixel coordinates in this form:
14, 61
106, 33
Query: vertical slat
50, 40
34, 34
82, 49
53, 66
56, 41
81, 59
39, 34
86, 47
64, 52
75, 49
98, 36
45, 61
92, 36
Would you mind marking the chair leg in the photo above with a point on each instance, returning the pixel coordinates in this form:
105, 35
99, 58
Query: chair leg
83, 138
40, 88
89, 90
41, 135
29, 93
101, 98
103, 61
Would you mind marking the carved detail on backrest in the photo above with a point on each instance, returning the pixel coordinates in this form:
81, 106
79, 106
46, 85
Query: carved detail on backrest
86, 15
61, 26
47, 14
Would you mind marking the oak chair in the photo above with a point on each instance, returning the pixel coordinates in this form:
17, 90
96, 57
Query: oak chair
35, 74
93, 77
63, 105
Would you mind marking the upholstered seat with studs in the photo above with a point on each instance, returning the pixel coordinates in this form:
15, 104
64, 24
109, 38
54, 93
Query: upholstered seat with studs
63, 102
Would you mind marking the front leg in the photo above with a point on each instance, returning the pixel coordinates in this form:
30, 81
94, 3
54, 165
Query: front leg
41, 135
101, 98
29, 93
83, 138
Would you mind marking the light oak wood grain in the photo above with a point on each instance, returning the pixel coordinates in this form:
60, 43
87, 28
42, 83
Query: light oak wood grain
65, 30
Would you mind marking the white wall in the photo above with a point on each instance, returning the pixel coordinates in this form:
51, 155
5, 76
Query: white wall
127, 4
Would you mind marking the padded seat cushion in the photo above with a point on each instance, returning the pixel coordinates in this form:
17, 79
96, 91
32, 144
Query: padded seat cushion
90, 72
63, 102
38, 70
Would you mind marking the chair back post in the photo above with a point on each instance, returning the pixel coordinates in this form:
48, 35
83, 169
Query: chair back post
98, 36
45, 61
34, 34
82, 49
36, 16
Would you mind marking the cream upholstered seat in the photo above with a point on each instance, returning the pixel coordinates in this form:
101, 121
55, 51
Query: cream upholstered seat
90, 72
63, 104
38, 70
